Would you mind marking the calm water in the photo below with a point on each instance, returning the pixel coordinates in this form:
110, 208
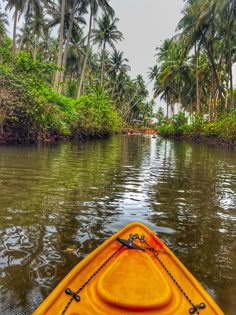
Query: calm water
77, 195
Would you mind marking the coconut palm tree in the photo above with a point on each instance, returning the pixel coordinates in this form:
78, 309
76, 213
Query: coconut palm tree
31, 35
32, 9
117, 64
73, 18
3, 24
201, 22
94, 5
106, 34
153, 72
18, 6
78, 9
228, 14
60, 45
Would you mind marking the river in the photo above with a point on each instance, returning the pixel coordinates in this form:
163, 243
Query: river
76, 195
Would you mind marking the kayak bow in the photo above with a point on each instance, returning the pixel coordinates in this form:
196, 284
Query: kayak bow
133, 272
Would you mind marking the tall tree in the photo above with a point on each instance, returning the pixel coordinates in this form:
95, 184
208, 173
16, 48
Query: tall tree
18, 6
60, 46
74, 17
106, 34
94, 6
118, 64
3, 24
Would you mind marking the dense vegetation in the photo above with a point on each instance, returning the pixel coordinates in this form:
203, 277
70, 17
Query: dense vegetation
31, 110
194, 73
53, 88
78, 84
221, 131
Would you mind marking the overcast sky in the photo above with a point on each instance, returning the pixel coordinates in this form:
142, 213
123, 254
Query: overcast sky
145, 24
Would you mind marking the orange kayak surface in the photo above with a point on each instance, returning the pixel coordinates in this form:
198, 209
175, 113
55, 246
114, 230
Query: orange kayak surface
133, 272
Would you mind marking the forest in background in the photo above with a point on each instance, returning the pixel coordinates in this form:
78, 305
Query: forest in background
76, 83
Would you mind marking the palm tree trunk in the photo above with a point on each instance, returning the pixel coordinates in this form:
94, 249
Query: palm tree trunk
14, 32
35, 51
113, 88
180, 102
86, 54
102, 66
227, 92
211, 59
197, 80
60, 47
230, 69
68, 37
22, 38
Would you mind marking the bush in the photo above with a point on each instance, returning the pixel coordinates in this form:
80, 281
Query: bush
32, 70
178, 119
96, 114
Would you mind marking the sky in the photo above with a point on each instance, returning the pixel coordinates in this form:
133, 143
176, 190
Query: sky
145, 24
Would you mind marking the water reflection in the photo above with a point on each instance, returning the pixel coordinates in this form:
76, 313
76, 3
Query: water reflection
77, 195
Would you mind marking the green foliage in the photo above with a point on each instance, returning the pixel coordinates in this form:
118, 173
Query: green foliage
223, 128
226, 126
96, 113
160, 116
72, 89
198, 123
5, 51
166, 130
179, 119
185, 130
34, 70
37, 108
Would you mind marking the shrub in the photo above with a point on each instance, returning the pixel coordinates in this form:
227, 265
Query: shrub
96, 114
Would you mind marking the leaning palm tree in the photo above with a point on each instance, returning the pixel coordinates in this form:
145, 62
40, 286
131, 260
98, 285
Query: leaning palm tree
3, 25
106, 34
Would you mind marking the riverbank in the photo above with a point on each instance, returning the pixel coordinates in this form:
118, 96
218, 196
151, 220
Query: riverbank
31, 111
220, 132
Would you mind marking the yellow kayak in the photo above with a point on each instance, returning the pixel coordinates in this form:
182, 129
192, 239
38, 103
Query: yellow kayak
133, 272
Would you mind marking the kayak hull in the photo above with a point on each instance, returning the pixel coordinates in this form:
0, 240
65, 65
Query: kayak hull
119, 279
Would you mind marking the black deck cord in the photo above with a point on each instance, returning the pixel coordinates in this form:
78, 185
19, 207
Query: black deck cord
75, 296
194, 308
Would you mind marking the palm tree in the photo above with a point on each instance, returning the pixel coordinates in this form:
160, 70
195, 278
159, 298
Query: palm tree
94, 6
60, 45
18, 6
136, 97
74, 11
201, 22
228, 9
3, 24
32, 34
118, 64
79, 8
32, 9
106, 34
153, 72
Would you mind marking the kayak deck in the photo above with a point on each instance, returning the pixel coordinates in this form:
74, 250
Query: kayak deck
133, 272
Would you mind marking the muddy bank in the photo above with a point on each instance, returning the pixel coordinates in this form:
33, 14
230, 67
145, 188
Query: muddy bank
230, 143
